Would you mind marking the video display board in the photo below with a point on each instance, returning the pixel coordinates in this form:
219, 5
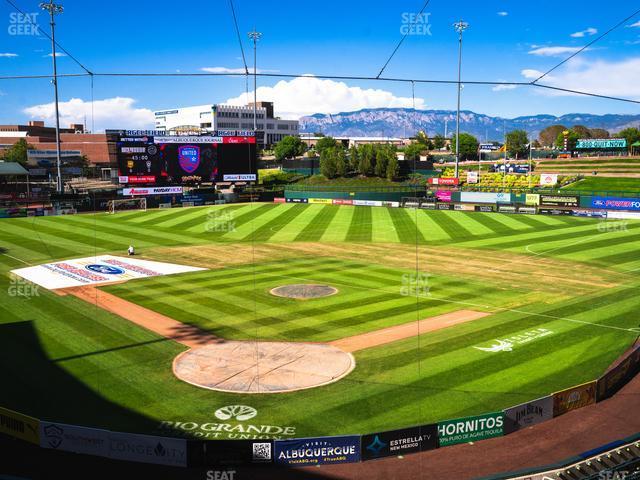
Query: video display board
168, 159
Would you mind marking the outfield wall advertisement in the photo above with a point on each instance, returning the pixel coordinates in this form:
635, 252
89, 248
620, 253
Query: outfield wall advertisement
485, 197
19, 426
559, 201
318, 451
528, 414
574, 398
618, 376
148, 449
471, 429
616, 203
399, 442
71, 438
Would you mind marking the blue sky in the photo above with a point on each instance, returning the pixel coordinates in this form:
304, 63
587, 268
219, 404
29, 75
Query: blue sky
507, 40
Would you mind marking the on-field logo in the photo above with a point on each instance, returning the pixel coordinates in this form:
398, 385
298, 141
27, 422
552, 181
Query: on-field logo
507, 344
105, 269
239, 412
501, 346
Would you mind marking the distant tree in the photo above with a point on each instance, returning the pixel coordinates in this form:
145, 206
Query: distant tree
366, 159
599, 133
324, 143
393, 168
582, 131
632, 135
353, 159
413, 151
289, 147
382, 160
517, 143
18, 152
572, 139
439, 142
340, 162
536, 144
549, 135
468, 146
328, 166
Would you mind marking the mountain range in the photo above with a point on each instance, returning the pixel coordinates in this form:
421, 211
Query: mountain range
405, 122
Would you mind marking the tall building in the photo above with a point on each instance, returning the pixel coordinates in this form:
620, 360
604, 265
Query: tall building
228, 117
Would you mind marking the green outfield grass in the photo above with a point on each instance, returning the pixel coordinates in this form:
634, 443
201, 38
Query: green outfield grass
575, 277
599, 184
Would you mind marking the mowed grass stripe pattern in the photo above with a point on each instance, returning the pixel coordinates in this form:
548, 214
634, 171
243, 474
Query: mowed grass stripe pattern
121, 374
580, 239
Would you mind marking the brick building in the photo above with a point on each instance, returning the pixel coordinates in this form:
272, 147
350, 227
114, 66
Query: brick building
97, 147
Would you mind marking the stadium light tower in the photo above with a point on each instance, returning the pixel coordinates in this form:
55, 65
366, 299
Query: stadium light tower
255, 36
460, 27
54, 9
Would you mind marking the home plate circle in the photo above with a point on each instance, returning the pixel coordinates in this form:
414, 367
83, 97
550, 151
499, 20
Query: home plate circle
262, 367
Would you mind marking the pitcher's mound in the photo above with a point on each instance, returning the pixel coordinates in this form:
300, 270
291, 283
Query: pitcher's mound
262, 367
304, 291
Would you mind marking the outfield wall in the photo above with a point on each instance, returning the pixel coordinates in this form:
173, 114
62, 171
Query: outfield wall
184, 452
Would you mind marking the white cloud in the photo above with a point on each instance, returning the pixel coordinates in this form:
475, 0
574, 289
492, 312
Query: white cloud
116, 112
553, 51
613, 78
584, 33
58, 54
500, 88
634, 25
8, 55
531, 74
503, 14
234, 70
307, 95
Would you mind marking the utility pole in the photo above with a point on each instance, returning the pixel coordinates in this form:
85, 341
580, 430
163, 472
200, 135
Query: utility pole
460, 27
54, 9
255, 36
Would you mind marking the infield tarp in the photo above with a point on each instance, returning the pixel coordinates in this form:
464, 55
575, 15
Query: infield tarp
98, 270
318, 451
71, 438
399, 442
573, 398
471, 429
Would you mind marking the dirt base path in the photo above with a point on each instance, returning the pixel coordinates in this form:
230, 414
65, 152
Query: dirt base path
407, 330
167, 327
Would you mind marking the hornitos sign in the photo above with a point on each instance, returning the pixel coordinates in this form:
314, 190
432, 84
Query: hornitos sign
229, 422
471, 429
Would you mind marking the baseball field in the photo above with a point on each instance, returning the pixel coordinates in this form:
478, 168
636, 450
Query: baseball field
445, 314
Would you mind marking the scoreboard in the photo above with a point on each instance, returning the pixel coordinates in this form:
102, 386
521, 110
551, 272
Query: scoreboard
150, 157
